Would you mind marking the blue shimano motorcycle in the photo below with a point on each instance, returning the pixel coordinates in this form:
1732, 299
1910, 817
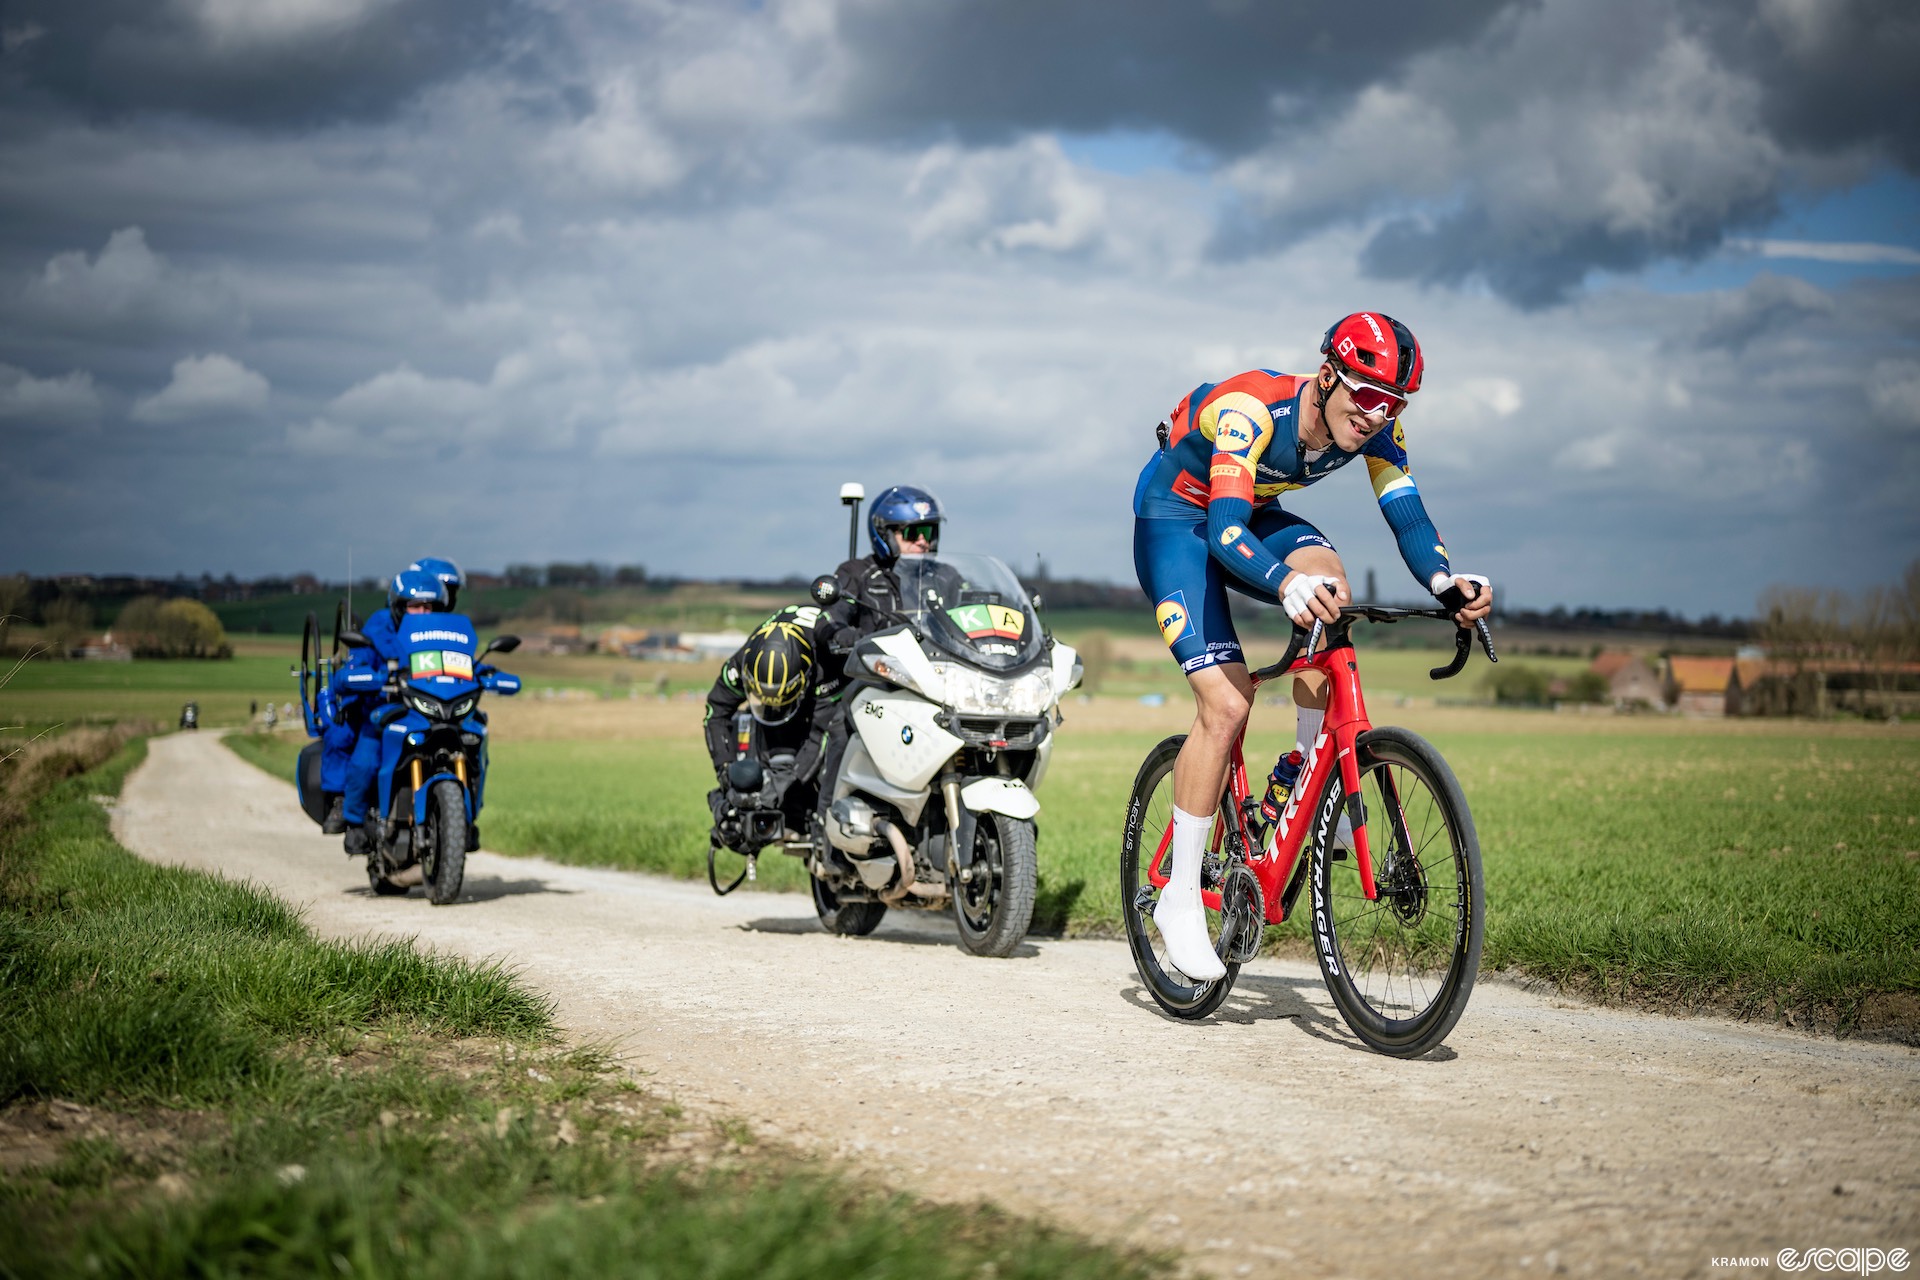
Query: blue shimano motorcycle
433, 757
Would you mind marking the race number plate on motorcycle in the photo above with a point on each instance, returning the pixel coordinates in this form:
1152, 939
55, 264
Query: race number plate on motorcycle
428, 663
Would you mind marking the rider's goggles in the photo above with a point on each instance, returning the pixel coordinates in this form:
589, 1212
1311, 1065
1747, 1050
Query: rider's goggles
928, 532
1371, 400
769, 711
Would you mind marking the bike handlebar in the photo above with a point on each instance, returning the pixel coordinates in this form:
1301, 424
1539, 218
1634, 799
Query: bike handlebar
1309, 638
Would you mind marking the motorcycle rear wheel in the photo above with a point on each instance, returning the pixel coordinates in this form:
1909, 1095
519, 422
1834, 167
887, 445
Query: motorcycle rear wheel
993, 911
847, 919
444, 857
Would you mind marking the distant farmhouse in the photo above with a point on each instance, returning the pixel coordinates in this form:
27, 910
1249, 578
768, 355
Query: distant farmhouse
1753, 684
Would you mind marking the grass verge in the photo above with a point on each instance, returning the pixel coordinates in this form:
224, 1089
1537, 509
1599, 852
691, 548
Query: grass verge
192, 1084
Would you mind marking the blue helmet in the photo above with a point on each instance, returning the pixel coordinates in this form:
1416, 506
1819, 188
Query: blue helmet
412, 586
901, 507
447, 571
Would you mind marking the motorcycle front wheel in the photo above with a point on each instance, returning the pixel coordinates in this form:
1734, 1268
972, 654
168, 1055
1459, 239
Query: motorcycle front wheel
848, 919
994, 907
443, 857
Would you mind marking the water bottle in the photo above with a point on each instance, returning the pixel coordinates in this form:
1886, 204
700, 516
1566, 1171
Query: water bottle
1286, 772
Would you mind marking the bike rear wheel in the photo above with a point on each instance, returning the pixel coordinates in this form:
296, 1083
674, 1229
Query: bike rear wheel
1401, 967
1149, 815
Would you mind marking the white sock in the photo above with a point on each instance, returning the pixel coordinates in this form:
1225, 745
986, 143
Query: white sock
1308, 730
1179, 914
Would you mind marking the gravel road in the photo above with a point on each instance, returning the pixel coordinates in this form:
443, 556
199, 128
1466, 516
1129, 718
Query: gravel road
1547, 1136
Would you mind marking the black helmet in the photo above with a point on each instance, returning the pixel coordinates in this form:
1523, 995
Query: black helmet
776, 666
902, 507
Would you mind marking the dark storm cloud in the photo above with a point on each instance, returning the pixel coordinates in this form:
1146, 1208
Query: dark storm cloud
1835, 75
1217, 73
253, 63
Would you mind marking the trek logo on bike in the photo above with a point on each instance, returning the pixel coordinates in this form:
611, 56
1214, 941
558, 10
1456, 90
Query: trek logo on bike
1171, 615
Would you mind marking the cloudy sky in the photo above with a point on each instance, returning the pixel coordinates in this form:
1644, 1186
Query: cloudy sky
645, 280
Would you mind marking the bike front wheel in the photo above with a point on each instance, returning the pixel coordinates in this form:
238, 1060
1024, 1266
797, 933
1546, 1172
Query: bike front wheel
1143, 847
1400, 967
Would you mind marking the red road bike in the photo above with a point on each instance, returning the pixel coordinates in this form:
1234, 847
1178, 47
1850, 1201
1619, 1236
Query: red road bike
1397, 910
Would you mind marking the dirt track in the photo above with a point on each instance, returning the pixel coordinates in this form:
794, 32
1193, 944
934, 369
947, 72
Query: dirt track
1547, 1136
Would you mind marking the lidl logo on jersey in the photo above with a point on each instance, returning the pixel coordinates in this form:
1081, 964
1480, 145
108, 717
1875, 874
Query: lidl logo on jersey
1233, 433
1228, 534
1171, 614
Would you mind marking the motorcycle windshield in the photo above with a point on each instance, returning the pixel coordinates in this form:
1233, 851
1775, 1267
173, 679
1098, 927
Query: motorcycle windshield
972, 607
439, 649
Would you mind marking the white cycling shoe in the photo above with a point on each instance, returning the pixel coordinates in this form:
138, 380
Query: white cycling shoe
1182, 920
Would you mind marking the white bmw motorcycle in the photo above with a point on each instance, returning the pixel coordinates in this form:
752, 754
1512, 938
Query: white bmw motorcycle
953, 713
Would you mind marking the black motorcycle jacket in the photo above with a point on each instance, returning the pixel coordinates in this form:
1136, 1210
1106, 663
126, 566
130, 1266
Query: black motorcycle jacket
802, 734
869, 594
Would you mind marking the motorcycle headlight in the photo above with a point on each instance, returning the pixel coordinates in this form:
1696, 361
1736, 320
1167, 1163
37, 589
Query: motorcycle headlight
427, 705
971, 692
465, 705
890, 669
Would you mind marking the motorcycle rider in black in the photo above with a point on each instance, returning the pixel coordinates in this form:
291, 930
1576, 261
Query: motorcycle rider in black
789, 676
901, 521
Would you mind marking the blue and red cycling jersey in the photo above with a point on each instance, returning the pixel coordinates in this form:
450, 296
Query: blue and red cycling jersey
1210, 500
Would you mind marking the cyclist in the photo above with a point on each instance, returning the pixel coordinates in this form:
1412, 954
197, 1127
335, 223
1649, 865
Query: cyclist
1207, 517
789, 675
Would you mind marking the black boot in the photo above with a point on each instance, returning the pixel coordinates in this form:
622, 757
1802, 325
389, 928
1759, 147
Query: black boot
356, 842
336, 820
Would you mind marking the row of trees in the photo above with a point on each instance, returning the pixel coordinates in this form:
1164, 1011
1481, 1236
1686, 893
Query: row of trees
563, 573
1837, 643
1880, 625
156, 628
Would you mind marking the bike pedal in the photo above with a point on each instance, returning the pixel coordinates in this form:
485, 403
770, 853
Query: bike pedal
1144, 899
1337, 855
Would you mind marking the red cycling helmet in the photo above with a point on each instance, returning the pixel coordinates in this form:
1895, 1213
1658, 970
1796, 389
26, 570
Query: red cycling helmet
1377, 348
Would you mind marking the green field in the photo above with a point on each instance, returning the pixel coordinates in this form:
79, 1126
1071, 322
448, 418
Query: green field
1776, 868
1751, 865
44, 692
206, 1089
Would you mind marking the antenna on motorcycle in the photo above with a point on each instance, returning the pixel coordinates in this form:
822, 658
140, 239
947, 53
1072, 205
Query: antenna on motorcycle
852, 494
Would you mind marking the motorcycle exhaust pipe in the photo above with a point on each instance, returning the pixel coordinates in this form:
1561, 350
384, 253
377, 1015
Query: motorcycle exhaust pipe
904, 854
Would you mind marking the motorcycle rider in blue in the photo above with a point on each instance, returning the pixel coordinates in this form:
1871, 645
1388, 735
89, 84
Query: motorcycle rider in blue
412, 591
342, 712
449, 574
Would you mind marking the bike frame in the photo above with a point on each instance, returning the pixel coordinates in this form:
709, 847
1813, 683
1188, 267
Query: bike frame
1346, 720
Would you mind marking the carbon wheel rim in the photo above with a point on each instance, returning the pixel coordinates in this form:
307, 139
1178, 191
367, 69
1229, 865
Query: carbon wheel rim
1401, 951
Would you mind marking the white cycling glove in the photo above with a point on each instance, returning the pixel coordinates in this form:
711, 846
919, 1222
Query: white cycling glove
1300, 591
